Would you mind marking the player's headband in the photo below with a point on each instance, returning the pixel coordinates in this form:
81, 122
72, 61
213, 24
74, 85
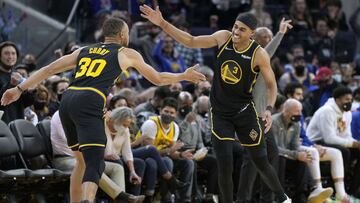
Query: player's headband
248, 19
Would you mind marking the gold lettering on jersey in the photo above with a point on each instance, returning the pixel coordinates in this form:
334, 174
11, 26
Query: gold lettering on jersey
98, 50
231, 72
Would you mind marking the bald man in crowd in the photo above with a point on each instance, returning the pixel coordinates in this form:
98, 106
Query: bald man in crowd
286, 130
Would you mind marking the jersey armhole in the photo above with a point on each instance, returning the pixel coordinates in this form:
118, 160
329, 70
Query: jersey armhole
125, 72
223, 46
252, 61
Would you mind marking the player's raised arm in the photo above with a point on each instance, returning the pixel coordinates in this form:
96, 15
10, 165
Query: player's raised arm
62, 64
204, 41
131, 58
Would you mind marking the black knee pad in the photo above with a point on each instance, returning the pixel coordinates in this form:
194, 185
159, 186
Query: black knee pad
95, 164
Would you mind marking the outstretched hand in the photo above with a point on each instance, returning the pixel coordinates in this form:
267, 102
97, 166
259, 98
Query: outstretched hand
194, 76
152, 15
10, 96
285, 25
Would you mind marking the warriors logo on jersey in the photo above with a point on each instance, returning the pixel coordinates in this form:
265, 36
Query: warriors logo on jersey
231, 72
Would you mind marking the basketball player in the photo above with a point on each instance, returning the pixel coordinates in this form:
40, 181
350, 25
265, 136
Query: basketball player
239, 61
82, 106
248, 173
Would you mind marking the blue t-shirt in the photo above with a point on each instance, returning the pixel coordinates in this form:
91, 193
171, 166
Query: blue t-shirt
355, 124
303, 136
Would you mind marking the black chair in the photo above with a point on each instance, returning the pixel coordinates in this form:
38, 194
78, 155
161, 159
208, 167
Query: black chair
9, 147
44, 129
32, 146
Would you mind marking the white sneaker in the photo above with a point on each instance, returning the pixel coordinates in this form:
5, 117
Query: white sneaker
319, 195
288, 200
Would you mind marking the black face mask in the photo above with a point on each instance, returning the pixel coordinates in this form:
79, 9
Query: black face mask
295, 118
167, 119
59, 96
346, 106
299, 70
205, 92
175, 94
39, 105
31, 67
185, 110
203, 114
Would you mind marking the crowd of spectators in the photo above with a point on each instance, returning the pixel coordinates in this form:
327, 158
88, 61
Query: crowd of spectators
165, 132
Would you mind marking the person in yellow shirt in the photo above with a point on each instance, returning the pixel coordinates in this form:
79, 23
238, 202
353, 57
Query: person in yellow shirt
162, 132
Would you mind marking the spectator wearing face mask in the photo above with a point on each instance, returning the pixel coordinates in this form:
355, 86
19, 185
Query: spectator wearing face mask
153, 104
9, 78
202, 107
356, 102
30, 62
41, 103
319, 96
330, 126
191, 137
58, 88
163, 133
300, 74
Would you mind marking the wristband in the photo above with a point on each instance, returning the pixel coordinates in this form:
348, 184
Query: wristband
269, 108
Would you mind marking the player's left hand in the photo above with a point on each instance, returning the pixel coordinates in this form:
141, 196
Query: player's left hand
10, 96
268, 120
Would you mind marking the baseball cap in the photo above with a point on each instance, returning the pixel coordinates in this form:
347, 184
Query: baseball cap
324, 73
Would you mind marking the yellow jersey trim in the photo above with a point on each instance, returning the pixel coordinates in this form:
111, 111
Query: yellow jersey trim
252, 69
91, 145
73, 146
91, 89
243, 51
214, 133
257, 120
252, 60
222, 49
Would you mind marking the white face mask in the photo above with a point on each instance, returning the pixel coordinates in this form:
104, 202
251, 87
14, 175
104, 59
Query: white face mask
120, 128
337, 77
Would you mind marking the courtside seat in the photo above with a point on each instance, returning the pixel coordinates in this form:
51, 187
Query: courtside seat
31, 146
9, 147
44, 128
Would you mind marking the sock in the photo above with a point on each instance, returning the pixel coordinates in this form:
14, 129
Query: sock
318, 184
340, 189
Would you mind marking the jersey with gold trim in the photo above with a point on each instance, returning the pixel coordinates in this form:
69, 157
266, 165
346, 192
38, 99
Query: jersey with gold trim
234, 78
97, 67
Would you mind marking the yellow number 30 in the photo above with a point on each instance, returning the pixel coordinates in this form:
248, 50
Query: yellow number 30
92, 68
